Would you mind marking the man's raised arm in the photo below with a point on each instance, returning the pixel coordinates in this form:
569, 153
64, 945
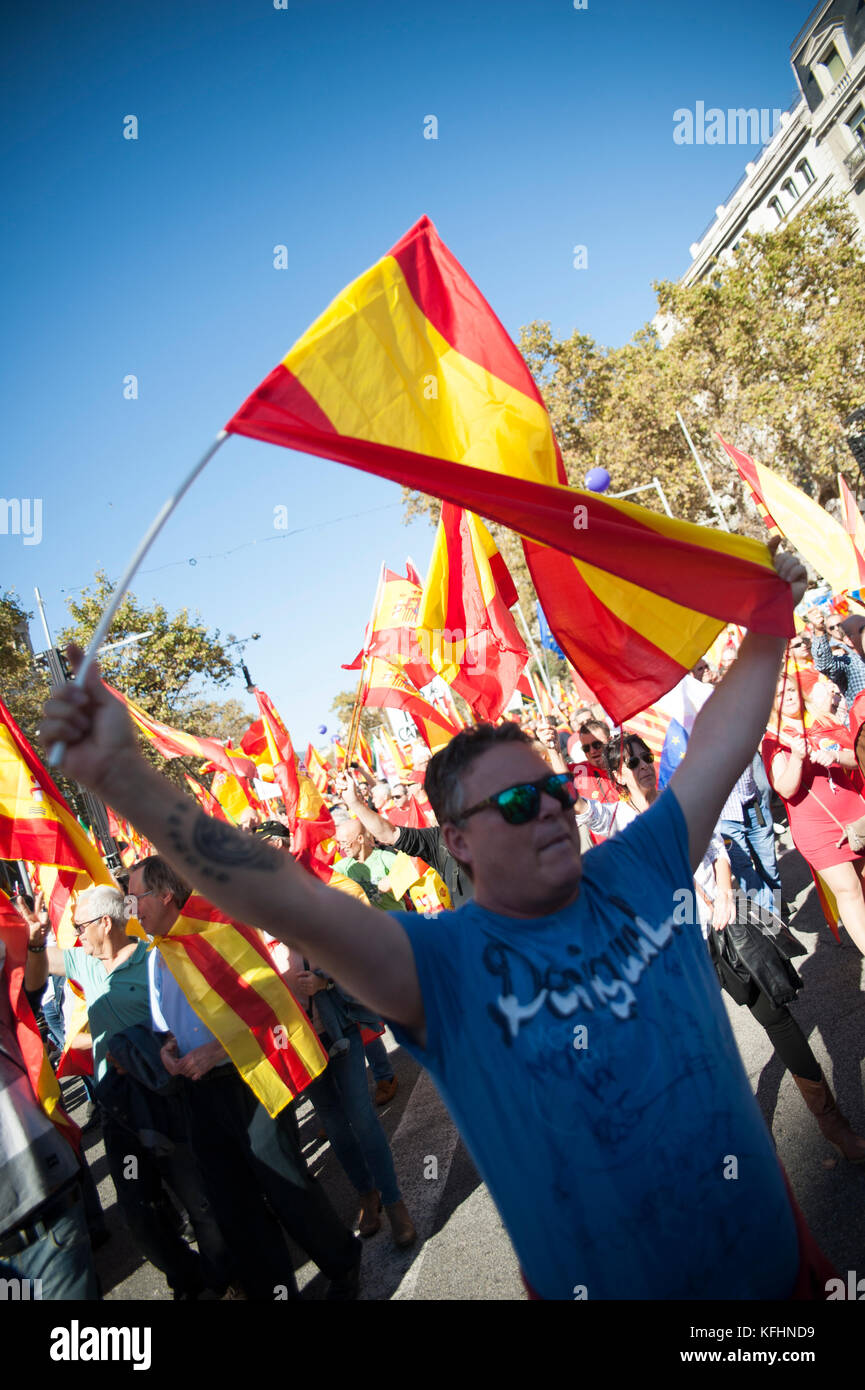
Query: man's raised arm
367, 951
379, 828
730, 725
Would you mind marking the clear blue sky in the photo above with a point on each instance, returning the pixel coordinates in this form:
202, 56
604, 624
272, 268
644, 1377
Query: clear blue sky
304, 126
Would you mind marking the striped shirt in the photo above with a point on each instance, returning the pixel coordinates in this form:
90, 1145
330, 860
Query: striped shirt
846, 668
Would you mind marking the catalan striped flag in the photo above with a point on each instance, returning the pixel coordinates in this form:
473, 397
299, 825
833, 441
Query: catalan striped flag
224, 970
174, 743
854, 525
409, 375
473, 640
651, 726
363, 752
792, 513
43, 1082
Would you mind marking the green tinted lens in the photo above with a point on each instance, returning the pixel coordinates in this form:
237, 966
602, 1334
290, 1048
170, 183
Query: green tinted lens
561, 787
519, 804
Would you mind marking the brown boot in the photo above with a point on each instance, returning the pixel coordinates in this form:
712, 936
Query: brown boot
402, 1226
369, 1220
833, 1126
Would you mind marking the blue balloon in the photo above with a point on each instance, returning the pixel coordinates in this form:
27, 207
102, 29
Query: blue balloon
322, 728
597, 480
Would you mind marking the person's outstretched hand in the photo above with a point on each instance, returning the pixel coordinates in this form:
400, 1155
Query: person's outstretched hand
94, 727
789, 568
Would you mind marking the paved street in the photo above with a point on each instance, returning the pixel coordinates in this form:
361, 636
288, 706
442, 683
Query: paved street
463, 1253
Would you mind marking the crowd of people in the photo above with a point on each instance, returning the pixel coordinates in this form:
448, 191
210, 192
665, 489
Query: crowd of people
558, 977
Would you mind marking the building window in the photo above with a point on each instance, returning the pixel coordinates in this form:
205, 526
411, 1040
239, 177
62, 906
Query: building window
804, 168
777, 208
857, 124
833, 63
789, 187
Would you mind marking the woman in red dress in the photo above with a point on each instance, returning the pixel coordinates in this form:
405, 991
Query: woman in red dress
812, 766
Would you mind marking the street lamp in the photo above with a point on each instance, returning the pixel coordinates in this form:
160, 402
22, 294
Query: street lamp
241, 643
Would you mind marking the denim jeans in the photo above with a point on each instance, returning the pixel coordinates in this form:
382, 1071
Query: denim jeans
741, 837
52, 1009
61, 1259
342, 1102
376, 1055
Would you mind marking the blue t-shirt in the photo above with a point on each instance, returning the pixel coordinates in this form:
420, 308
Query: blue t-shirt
588, 1063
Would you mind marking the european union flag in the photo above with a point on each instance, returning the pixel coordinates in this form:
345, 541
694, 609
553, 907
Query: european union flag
672, 753
546, 637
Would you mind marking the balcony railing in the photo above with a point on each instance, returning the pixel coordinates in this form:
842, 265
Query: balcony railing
854, 162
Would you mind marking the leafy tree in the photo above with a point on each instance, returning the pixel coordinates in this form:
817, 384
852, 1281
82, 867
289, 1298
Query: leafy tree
164, 672
23, 685
342, 707
768, 349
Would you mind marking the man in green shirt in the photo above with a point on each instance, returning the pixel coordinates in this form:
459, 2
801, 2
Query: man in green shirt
363, 861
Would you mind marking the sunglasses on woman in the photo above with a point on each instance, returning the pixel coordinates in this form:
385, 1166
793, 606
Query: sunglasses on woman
522, 803
636, 758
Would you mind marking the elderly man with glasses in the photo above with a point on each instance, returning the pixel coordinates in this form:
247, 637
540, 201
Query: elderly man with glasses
575, 1032
111, 969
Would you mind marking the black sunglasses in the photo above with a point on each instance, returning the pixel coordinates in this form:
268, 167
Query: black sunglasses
637, 758
594, 747
78, 927
522, 803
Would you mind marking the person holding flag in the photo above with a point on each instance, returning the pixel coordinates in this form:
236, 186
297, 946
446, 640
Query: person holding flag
486, 998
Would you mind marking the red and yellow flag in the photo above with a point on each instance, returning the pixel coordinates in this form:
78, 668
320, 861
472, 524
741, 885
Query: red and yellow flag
310, 822
224, 970
651, 726
316, 769
790, 512
392, 630
387, 686
206, 800
174, 743
35, 821
409, 375
854, 525
465, 614
43, 1082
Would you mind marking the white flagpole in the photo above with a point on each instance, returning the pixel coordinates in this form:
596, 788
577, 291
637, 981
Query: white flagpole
116, 599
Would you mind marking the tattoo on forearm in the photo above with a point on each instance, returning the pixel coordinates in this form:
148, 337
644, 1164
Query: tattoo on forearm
214, 847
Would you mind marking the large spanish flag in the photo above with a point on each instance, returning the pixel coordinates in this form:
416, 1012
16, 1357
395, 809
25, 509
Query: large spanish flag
224, 970
465, 614
408, 374
815, 534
